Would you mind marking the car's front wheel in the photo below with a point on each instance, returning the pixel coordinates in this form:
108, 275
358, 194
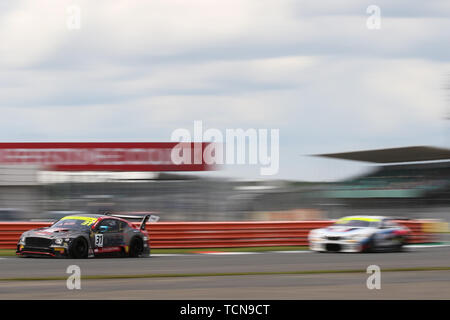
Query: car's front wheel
370, 246
78, 248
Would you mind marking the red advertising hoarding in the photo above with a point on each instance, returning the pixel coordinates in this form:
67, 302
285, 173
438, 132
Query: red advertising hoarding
100, 156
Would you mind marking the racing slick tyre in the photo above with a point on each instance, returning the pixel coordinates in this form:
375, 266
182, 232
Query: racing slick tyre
399, 246
78, 248
136, 247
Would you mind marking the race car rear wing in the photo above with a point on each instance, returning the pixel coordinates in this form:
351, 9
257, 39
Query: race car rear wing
145, 218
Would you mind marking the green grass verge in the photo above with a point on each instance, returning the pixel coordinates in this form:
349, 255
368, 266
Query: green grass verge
7, 252
11, 252
179, 275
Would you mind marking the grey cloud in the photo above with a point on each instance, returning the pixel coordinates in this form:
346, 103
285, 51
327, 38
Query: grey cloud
137, 76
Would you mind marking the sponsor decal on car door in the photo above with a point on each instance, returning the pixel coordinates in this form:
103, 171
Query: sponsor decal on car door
99, 240
384, 238
112, 238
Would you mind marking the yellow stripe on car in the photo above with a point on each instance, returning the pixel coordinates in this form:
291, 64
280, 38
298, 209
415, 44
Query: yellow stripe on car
87, 220
342, 220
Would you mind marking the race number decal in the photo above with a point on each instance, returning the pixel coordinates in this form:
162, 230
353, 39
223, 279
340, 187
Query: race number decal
99, 240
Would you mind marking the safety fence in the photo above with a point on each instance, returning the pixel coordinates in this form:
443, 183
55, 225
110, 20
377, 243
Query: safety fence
167, 235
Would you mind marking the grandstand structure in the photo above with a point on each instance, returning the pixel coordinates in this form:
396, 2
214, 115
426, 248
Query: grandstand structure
408, 180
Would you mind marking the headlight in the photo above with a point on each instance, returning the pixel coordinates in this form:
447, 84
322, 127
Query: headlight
59, 241
316, 237
22, 240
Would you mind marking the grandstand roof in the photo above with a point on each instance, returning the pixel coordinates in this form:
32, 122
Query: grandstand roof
393, 155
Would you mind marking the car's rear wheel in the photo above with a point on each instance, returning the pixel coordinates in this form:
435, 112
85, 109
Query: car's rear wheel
136, 247
79, 249
399, 246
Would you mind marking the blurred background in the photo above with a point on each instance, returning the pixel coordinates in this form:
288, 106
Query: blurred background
397, 184
334, 78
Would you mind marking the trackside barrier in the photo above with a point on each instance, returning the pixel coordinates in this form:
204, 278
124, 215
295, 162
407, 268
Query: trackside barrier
165, 235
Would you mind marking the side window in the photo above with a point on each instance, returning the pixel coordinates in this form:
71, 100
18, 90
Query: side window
376, 224
389, 224
111, 224
123, 226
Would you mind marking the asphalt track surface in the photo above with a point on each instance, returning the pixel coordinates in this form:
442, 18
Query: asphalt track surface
395, 285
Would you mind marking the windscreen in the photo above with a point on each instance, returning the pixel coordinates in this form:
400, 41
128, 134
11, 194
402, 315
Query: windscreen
356, 223
73, 222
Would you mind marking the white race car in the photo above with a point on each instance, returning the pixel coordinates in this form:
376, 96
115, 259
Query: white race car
359, 234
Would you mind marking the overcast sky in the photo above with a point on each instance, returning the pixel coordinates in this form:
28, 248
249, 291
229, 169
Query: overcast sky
137, 70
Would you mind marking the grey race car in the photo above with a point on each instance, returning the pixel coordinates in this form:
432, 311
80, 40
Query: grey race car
83, 236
